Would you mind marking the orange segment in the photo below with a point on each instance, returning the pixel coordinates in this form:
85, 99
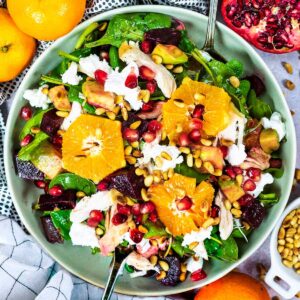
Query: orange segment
93, 147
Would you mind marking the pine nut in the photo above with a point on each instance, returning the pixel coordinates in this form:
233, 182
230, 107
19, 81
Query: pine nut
234, 81
179, 103
157, 59
139, 172
153, 260
161, 276
236, 212
116, 110
185, 150
208, 223
239, 179
236, 204
178, 129
281, 233
227, 204
183, 268
124, 113
135, 144
99, 111
156, 179
163, 135
198, 163
80, 194
111, 115
206, 142
128, 150
178, 70
148, 180
170, 173
35, 130
119, 99
182, 277
190, 160
142, 229
166, 155
209, 167
287, 263
103, 26
99, 231
144, 195
169, 66
193, 245
288, 67
218, 172
281, 242
164, 265
130, 159
62, 114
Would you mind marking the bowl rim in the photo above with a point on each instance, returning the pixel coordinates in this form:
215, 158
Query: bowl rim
108, 14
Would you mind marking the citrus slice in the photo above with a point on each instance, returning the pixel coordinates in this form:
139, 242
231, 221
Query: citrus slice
93, 147
166, 195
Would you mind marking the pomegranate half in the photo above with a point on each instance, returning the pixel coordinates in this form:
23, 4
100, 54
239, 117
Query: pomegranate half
270, 25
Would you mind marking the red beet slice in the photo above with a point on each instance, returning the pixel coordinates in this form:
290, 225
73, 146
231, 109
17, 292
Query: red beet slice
52, 234
26, 170
51, 122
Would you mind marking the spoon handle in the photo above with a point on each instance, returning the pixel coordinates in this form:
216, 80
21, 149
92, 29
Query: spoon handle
210, 32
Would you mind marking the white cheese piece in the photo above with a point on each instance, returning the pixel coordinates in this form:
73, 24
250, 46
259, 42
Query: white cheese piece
88, 65
193, 264
83, 235
37, 98
139, 262
152, 150
115, 83
144, 244
275, 123
99, 201
70, 76
138, 274
75, 112
236, 154
163, 77
226, 219
265, 179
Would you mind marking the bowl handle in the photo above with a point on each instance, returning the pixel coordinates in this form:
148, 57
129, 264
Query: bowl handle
293, 284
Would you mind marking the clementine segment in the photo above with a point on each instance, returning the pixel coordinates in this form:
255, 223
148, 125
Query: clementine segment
46, 19
93, 147
16, 48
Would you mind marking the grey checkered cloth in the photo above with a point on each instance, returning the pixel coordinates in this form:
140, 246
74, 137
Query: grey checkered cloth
26, 271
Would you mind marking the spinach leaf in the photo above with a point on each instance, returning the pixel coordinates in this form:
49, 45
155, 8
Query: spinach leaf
179, 249
114, 60
257, 107
71, 181
73, 95
131, 27
183, 169
33, 122
26, 152
268, 199
277, 173
244, 87
186, 44
61, 220
236, 66
154, 230
236, 233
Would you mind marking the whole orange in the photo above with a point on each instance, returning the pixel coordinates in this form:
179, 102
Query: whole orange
234, 286
16, 48
46, 19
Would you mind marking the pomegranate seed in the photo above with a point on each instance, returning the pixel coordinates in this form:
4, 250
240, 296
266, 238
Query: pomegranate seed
26, 140
238, 170
136, 209
198, 111
153, 217
254, 173
195, 136
195, 124
104, 55
147, 207
131, 135
40, 184
124, 209
249, 185
149, 136
184, 140
154, 126
136, 235
118, 219
26, 113
138, 219
151, 86
100, 76
214, 212
56, 191
229, 171
131, 81
198, 275
146, 46
57, 140
224, 150
275, 163
92, 222
146, 73
246, 200
97, 215
147, 106
102, 185
184, 204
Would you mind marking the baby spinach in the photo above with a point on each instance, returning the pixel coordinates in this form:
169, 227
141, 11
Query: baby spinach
183, 169
179, 249
276, 172
186, 44
71, 181
114, 60
240, 232
93, 26
257, 107
61, 220
268, 199
154, 230
131, 27
73, 95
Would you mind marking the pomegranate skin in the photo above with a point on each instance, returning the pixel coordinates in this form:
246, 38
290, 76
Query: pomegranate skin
269, 25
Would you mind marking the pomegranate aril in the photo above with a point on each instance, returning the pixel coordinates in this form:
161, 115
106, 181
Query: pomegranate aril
136, 209
151, 86
184, 204
102, 185
26, 140
104, 55
138, 219
97, 215
249, 185
92, 222
131, 135
254, 173
198, 111
224, 150
214, 212
149, 136
184, 140
195, 136
136, 235
26, 113
275, 163
146, 46
195, 124
57, 140
146, 73
40, 184
131, 81
238, 170
118, 219
56, 191
246, 200
147, 106
230, 172
154, 126
124, 209
198, 275
100, 76
153, 217
147, 207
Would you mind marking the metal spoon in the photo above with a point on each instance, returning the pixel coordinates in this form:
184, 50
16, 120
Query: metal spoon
116, 265
210, 32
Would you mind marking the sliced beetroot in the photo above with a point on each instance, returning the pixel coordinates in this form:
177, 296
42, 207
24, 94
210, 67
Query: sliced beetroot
127, 183
52, 234
173, 273
26, 170
254, 214
67, 200
168, 36
257, 84
51, 122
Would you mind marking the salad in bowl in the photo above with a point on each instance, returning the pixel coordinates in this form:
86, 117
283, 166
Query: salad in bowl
139, 140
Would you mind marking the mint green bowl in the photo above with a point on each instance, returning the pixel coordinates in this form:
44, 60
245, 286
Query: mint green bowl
94, 268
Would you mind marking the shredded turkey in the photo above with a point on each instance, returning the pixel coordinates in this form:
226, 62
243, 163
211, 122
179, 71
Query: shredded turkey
139, 262
257, 158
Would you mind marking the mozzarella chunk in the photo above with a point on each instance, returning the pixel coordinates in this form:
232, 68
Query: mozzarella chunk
193, 264
83, 235
70, 76
236, 154
75, 112
37, 98
265, 179
88, 65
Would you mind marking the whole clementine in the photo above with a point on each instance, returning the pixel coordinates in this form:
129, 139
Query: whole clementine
16, 48
234, 286
46, 19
